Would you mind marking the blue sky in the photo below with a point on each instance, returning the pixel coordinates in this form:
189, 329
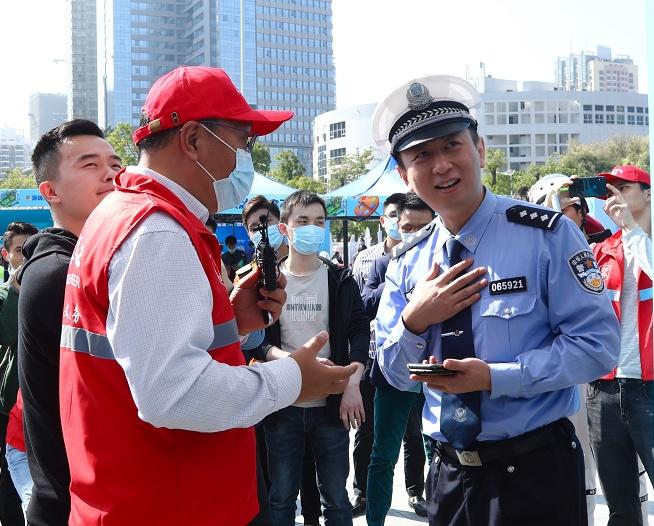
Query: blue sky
378, 44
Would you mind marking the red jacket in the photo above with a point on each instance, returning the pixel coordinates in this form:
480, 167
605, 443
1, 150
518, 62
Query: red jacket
15, 436
125, 471
610, 259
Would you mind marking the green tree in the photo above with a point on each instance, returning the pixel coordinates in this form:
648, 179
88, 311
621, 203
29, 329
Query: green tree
307, 183
261, 158
288, 167
346, 169
495, 159
17, 179
357, 228
584, 160
120, 138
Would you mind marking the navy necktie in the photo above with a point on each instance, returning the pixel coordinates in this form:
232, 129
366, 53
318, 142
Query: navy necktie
460, 414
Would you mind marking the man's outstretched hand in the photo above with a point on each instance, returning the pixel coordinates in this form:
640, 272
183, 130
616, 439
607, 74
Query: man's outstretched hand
319, 379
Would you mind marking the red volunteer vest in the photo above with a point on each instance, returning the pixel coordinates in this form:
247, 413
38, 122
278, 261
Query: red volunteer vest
610, 259
123, 470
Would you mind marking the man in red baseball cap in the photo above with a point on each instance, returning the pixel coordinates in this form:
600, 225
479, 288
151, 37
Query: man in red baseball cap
620, 403
157, 403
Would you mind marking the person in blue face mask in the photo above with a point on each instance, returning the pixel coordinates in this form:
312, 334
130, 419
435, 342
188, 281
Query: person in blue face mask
396, 413
414, 461
365, 259
320, 297
252, 211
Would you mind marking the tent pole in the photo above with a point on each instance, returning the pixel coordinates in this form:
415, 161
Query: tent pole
346, 239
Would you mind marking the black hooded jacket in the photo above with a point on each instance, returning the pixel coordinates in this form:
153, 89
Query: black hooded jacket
349, 329
40, 307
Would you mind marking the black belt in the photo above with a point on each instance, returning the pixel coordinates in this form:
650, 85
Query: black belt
620, 381
486, 452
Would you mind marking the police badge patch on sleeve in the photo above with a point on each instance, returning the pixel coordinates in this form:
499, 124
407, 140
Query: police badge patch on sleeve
585, 269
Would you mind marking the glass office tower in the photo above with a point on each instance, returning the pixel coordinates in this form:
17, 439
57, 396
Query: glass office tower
279, 54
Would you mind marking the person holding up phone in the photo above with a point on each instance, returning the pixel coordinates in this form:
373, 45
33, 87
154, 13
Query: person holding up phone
620, 407
568, 196
506, 294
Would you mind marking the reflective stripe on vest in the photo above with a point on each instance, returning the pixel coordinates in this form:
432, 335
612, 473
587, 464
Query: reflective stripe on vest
645, 294
80, 340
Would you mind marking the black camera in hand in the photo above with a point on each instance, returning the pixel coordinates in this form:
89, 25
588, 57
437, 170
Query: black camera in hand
265, 257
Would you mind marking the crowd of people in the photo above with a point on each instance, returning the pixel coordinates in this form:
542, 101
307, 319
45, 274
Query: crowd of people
507, 344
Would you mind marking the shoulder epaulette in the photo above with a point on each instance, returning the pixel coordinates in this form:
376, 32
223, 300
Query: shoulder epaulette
416, 238
533, 216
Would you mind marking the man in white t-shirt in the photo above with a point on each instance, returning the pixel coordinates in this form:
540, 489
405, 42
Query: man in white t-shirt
320, 297
620, 404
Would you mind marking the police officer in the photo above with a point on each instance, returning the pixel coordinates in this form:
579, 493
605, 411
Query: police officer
515, 334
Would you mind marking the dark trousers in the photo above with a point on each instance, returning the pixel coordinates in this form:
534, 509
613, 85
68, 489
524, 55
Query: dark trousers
621, 426
363, 438
544, 487
11, 513
263, 482
286, 436
397, 414
309, 494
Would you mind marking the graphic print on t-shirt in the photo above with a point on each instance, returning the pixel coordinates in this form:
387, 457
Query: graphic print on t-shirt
303, 307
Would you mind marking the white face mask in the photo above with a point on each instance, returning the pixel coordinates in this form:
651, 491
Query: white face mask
405, 236
233, 189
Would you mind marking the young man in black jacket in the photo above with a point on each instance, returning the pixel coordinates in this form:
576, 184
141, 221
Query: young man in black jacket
74, 167
320, 297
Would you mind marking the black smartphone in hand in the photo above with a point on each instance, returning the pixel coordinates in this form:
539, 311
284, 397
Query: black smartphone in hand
588, 187
429, 369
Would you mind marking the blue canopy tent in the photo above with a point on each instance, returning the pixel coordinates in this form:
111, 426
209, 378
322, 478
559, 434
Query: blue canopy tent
262, 185
364, 198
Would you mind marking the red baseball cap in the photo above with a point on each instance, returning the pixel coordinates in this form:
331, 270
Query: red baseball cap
592, 225
627, 172
193, 93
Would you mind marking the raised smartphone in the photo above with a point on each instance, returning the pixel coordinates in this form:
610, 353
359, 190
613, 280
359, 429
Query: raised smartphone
588, 187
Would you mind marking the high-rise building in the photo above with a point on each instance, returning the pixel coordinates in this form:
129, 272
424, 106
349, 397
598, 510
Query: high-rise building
615, 75
82, 60
342, 132
278, 52
295, 68
15, 151
47, 110
587, 71
530, 121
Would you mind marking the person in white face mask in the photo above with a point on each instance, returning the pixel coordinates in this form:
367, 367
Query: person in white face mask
151, 336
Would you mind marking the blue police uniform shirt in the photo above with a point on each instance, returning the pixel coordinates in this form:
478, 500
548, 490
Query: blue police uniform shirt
544, 329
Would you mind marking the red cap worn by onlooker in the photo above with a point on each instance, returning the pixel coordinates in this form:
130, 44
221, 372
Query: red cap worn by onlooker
592, 225
627, 172
192, 93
